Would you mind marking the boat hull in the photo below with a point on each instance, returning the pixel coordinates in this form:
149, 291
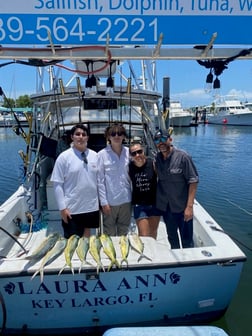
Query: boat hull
181, 121
134, 296
232, 120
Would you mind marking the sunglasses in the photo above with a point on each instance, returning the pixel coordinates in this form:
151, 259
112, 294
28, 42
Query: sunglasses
113, 134
161, 139
139, 151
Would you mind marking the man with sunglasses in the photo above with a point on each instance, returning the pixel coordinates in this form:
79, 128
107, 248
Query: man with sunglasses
144, 184
114, 183
176, 190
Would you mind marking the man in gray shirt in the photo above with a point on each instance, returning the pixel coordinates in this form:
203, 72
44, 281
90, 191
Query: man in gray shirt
176, 189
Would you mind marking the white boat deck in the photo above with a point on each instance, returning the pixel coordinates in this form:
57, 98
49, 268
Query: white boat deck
159, 251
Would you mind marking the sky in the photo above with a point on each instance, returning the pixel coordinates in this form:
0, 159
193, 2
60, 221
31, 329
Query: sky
187, 80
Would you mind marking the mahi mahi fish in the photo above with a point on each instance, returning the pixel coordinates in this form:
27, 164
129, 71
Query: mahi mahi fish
124, 246
137, 245
44, 247
94, 250
109, 250
82, 250
51, 255
69, 250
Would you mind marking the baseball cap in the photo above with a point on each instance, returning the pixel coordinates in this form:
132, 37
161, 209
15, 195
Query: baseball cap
161, 134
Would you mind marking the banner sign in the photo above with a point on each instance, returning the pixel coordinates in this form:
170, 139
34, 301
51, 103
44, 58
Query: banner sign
122, 22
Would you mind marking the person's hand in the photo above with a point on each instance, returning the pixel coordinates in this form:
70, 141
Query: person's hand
188, 213
65, 215
106, 209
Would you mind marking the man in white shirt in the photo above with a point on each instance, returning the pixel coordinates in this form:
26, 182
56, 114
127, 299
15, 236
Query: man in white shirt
75, 185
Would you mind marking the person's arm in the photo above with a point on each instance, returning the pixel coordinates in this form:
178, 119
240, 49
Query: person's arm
188, 213
59, 195
101, 182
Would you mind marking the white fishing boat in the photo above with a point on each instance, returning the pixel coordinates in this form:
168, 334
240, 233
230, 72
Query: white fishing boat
170, 286
229, 111
179, 117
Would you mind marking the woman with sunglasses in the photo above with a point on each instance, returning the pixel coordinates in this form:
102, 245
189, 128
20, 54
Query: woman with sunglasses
114, 183
144, 183
176, 189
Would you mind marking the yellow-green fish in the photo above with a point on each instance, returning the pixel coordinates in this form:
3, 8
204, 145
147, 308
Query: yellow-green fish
137, 245
124, 246
44, 247
109, 250
69, 250
51, 255
82, 250
94, 250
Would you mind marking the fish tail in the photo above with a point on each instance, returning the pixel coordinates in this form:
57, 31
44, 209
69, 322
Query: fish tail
113, 262
117, 264
124, 261
143, 256
81, 265
35, 274
110, 266
41, 275
62, 269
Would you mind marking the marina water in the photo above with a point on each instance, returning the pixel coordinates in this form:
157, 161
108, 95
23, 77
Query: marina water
222, 155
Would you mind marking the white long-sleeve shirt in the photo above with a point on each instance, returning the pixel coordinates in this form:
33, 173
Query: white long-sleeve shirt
114, 184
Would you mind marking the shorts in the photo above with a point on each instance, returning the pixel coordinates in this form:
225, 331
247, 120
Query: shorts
78, 223
145, 211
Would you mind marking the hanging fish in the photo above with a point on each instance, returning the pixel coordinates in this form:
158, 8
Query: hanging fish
51, 255
44, 247
69, 250
82, 250
124, 246
109, 250
137, 245
94, 250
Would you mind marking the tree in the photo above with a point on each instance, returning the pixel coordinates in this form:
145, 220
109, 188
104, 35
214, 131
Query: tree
24, 101
21, 101
8, 102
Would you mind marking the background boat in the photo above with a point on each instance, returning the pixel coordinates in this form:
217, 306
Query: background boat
229, 111
178, 116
